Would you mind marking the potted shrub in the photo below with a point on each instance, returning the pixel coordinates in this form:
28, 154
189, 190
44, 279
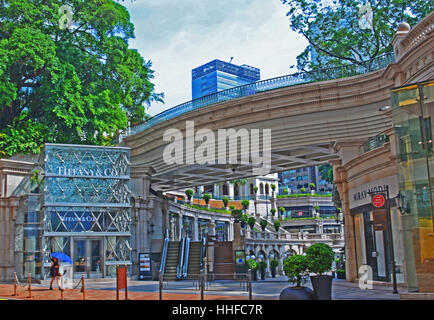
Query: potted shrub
273, 187
320, 257
244, 218
312, 186
273, 265
262, 266
251, 222
236, 213
206, 197
253, 265
295, 268
340, 274
189, 193
316, 208
263, 224
302, 190
273, 211
276, 225
225, 201
282, 211
285, 191
245, 204
255, 190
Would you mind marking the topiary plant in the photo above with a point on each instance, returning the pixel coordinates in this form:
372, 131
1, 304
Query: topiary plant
295, 268
285, 191
225, 201
251, 222
273, 187
263, 223
312, 185
245, 203
236, 213
255, 189
302, 189
274, 263
252, 264
262, 265
273, 211
320, 257
244, 218
277, 225
189, 193
206, 197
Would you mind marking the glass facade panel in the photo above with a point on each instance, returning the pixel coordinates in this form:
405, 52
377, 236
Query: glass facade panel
412, 110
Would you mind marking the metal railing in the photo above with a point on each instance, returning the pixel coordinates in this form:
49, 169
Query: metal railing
202, 254
164, 255
263, 86
186, 258
180, 259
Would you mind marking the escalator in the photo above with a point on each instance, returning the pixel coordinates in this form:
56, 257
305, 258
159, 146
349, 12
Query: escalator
172, 260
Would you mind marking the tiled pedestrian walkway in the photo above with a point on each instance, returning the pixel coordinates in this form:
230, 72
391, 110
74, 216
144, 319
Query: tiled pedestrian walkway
43, 293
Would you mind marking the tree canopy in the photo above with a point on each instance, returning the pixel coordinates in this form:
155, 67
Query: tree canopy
336, 36
78, 84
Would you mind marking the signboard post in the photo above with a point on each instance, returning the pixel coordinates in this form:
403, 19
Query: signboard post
145, 271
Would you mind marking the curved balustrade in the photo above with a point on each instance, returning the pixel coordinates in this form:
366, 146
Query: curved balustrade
263, 86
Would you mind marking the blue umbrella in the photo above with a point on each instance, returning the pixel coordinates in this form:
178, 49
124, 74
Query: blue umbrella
61, 256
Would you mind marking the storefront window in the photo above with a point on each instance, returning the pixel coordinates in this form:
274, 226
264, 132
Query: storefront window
413, 111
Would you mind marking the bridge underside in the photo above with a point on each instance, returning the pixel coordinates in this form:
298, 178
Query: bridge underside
297, 141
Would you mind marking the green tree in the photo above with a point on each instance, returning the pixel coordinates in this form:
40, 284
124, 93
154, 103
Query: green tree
326, 172
335, 36
68, 85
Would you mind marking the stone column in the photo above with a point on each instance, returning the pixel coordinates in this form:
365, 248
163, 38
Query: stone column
340, 176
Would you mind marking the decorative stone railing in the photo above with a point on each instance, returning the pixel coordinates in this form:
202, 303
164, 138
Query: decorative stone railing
419, 33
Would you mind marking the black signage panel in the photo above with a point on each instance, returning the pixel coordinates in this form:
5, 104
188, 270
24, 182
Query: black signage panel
145, 272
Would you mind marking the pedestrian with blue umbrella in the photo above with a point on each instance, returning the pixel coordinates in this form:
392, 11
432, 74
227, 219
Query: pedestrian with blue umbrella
55, 265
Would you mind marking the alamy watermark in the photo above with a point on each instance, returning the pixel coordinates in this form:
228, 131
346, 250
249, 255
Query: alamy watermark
366, 17
365, 277
206, 147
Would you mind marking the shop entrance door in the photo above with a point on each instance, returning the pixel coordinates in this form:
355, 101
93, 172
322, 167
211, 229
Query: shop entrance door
376, 254
87, 258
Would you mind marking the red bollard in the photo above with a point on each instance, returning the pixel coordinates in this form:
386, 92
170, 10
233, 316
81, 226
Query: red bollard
30, 286
15, 284
82, 287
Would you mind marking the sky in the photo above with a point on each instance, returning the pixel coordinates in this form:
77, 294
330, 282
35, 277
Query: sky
178, 36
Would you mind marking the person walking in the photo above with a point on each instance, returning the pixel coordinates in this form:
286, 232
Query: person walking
54, 272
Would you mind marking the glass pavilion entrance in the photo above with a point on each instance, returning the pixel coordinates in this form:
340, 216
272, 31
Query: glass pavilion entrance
84, 211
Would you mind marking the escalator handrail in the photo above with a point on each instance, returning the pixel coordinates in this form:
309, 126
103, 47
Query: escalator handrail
202, 253
186, 258
164, 255
180, 259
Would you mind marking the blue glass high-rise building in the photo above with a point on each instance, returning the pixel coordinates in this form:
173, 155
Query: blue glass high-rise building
218, 75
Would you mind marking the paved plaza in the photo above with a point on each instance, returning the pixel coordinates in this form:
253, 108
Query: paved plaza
268, 289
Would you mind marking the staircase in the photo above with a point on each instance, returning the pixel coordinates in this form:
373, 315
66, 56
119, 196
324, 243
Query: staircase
224, 266
172, 260
193, 271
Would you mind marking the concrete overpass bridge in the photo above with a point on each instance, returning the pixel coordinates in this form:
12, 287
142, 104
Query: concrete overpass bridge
306, 112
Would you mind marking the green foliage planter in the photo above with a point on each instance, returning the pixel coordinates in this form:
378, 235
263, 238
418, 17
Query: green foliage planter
253, 265
320, 257
263, 224
276, 225
207, 197
273, 265
295, 268
189, 193
225, 201
262, 266
251, 222
340, 274
245, 204
236, 213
